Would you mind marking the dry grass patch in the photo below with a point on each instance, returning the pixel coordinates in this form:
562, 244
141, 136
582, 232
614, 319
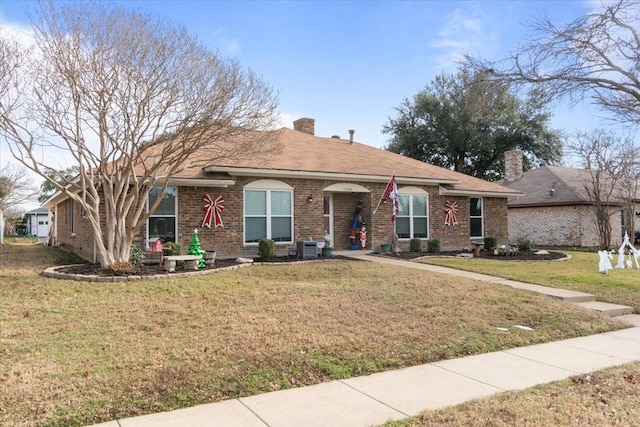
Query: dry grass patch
76, 353
603, 398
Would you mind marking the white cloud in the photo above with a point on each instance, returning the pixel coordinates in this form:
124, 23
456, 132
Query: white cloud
467, 30
22, 35
287, 119
224, 43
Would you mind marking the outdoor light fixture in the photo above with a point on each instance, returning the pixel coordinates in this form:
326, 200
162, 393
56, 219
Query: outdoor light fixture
310, 199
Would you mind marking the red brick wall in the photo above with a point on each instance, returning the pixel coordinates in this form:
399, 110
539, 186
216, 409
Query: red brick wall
308, 219
82, 243
495, 219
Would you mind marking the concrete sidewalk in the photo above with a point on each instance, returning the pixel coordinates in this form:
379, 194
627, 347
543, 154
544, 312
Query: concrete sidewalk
375, 399
378, 398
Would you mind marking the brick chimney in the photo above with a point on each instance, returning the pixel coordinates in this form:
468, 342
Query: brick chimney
512, 165
305, 125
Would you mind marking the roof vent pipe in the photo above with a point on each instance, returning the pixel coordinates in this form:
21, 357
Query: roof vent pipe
351, 132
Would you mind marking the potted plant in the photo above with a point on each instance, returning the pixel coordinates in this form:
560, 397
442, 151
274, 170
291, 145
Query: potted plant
327, 250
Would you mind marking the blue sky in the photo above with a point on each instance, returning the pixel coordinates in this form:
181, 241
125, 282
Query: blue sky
348, 64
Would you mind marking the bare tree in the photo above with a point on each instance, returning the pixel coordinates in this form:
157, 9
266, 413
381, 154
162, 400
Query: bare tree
101, 85
612, 187
13, 216
596, 56
15, 187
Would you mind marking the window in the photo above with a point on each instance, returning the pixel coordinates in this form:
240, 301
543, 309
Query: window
72, 217
162, 222
268, 212
475, 217
413, 213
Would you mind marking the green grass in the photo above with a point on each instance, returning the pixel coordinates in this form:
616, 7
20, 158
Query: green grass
580, 273
78, 353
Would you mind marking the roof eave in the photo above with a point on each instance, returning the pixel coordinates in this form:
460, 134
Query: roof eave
558, 204
449, 192
284, 173
200, 182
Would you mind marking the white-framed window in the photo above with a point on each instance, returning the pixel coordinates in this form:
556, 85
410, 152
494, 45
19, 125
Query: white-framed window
268, 212
413, 213
476, 217
162, 222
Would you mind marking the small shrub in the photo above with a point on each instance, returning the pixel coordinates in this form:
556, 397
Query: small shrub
524, 245
266, 249
415, 245
433, 246
490, 242
174, 248
136, 257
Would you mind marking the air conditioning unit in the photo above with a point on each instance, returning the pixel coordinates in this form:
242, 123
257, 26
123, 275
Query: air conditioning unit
308, 249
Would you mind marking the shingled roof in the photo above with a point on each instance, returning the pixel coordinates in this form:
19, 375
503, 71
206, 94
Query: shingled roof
304, 155
551, 186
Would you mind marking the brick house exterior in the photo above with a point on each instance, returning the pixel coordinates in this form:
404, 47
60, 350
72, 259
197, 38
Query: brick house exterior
555, 209
325, 179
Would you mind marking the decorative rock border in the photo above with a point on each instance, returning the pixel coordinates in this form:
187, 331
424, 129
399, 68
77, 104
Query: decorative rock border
51, 272
54, 274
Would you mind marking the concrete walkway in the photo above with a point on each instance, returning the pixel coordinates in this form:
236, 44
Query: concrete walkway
378, 398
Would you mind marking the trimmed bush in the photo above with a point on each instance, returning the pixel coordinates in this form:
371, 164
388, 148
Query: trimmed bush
266, 249
433, 246
174, 248
415, 245
524, 245
490, 242
136, 257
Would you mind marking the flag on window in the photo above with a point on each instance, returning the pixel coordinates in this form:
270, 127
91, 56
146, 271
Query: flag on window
391, 194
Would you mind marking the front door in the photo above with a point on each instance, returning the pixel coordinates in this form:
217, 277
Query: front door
328, 217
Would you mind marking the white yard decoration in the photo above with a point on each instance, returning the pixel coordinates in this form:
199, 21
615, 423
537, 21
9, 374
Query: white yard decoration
605, 262
632, 252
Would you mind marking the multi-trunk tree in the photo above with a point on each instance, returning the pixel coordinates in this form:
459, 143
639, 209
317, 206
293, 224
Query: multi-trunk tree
96, 90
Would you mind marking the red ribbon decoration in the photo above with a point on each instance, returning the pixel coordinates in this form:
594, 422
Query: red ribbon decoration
452, 211
213, 209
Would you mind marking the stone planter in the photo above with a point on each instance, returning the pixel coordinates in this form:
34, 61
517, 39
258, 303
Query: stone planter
385, 248
209, 258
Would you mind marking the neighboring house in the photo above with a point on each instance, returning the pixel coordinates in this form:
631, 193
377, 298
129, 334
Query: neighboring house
38, 222
310, 189
555, 208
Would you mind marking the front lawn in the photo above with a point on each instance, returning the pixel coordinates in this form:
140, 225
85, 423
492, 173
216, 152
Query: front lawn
580, 273
76, 353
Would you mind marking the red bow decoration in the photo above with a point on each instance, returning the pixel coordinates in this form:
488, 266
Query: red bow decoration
213, 209
452, 211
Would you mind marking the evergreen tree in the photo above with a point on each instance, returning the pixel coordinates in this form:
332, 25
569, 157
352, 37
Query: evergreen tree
196, 249
467, 121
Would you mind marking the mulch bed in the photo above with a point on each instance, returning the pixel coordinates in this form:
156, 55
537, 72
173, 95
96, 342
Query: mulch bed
520, 256
151, 270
